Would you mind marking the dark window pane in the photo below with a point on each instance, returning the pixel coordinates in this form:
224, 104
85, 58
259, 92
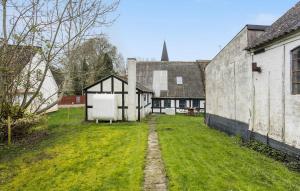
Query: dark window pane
296, 89
196, 103
167, 103
156, 103
182, 104
296, 77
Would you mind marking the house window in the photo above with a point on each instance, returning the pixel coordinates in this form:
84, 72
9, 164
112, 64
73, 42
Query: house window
179, 80
296, 71
196, 103
167, 103
145, 97
156, 103
182, 104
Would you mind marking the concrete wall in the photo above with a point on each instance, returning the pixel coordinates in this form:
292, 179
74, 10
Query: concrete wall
276, 110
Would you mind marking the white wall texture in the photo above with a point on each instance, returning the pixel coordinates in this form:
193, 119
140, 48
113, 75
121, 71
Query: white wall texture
228, 84
118, 88
49, 89
262, 100
277, 111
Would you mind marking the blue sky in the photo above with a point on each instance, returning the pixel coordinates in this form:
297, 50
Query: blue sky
193, 29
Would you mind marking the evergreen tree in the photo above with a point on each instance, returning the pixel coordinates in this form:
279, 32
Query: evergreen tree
84, 73
104, 67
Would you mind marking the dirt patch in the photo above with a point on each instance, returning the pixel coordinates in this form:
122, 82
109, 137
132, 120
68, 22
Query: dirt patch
154, 173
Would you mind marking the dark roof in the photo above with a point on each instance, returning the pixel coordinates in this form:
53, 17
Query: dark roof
57, 75
18, 56
164, 55
192, 86
285, 25
122, 78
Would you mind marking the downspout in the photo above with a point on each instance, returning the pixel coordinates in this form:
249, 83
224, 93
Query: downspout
253, 97
283, 95
269, 108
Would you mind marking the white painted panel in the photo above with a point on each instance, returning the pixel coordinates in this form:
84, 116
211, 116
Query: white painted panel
160, 81
95, 88
107, 85
117, 85
105, 107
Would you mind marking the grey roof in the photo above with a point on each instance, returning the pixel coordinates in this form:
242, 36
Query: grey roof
189, 71
138, 85
285, 25
18, 57
164, 55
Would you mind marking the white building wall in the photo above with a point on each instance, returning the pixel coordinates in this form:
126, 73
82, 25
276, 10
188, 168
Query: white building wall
118, 89
49, 90
261, 101
279, 116
228, 81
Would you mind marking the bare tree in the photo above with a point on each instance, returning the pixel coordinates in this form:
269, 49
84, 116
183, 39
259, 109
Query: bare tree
50, 29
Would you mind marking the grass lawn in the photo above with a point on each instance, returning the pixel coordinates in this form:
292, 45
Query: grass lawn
199, 158
77, 156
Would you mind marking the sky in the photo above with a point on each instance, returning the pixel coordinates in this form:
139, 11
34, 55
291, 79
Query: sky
192, 29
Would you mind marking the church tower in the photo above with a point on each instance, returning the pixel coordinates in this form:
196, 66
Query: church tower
164, 56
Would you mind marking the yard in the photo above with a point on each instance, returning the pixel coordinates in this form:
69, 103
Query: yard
199, 158
77, 156
74, 155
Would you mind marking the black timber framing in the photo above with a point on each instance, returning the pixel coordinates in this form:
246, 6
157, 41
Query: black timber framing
175, 103
105, 92
139, 92
86, 107
139, 106
112, 85
123, 102
114, 76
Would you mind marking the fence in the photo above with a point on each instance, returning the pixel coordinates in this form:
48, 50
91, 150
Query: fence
72, 100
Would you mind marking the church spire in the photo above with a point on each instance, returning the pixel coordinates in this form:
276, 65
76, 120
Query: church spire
164, 56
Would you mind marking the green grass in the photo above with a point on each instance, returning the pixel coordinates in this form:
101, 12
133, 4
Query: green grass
77, 156
199, 158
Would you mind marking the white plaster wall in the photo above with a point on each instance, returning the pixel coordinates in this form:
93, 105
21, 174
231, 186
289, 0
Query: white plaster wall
228, 81
117, 88
106, 85
49, 90
284, 113
95, 88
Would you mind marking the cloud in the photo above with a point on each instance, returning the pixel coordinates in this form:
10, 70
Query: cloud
264, 19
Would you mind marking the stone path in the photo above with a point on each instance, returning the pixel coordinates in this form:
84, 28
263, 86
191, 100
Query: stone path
154, 174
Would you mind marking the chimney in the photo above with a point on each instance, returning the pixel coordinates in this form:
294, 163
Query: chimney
131, 64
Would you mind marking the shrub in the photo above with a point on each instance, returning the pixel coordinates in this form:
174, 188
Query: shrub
20, 127
291, 162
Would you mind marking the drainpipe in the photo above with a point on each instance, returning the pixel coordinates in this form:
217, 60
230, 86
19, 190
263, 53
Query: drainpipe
131, 64
253, 99
283, 96
269, 108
